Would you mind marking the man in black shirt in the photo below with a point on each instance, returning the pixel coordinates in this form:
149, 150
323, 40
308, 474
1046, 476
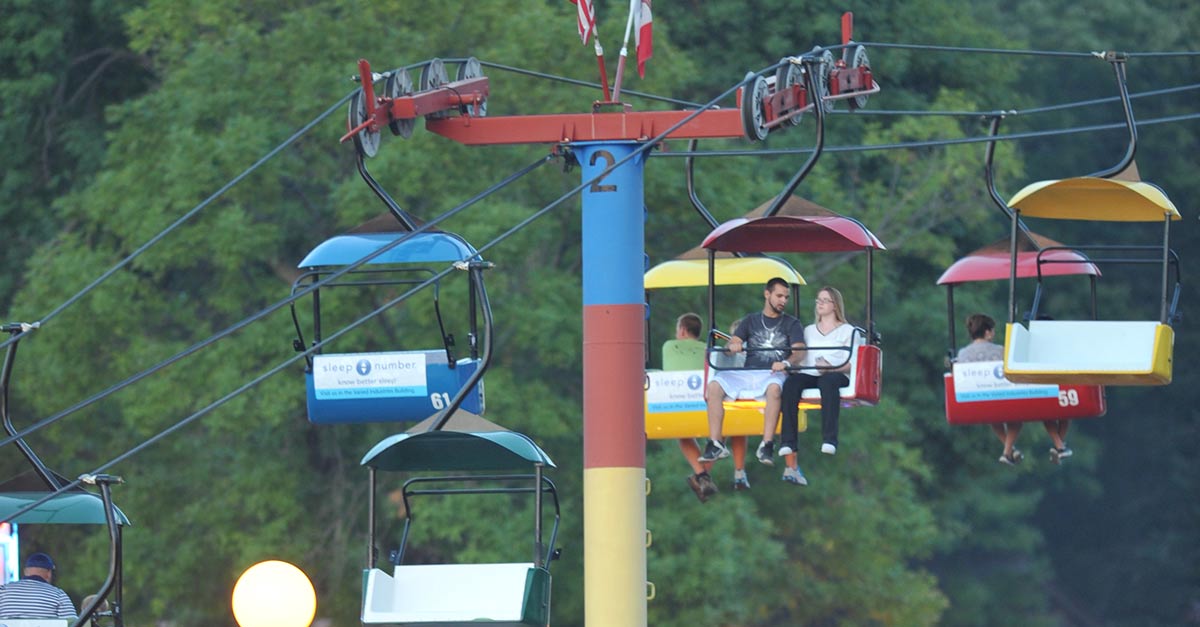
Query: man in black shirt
771, 339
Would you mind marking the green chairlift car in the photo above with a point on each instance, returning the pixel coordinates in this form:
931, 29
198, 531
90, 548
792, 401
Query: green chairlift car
485, 459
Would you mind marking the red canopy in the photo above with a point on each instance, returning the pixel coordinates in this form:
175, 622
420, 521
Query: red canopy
792, 234
993, 265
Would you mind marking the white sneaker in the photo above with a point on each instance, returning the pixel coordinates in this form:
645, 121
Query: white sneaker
786, 450
828, 449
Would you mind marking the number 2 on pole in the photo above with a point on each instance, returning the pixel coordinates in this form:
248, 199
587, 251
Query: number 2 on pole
608, 161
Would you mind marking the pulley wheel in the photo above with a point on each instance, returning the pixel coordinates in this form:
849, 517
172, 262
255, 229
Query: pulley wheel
859, 59
399, 84
787, 76
366, 141
824, 76
433, 75
471, 69
754, 117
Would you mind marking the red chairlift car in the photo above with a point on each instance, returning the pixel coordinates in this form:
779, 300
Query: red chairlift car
978, 392
813, 234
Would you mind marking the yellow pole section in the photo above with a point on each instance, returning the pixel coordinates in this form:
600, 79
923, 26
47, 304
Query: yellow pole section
614, 537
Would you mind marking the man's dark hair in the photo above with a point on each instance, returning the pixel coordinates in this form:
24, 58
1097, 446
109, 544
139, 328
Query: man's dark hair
979, 324
691, 323
777, 281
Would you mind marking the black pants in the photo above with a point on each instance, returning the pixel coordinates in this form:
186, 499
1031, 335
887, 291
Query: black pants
830, 384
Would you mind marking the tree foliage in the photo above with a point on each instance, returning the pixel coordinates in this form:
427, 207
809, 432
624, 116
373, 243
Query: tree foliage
125, 116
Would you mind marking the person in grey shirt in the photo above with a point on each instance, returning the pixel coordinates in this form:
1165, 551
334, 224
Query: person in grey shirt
983, 330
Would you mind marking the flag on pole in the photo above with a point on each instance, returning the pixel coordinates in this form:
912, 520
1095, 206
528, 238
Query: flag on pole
644, 37
585, 19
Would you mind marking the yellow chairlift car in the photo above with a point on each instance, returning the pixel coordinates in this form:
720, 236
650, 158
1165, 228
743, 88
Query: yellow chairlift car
1097, 352
675, 405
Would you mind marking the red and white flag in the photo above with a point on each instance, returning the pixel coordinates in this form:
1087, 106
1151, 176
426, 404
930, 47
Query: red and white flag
644, 37
586, 18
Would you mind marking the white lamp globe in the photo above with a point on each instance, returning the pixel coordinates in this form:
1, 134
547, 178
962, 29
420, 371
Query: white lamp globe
274, 594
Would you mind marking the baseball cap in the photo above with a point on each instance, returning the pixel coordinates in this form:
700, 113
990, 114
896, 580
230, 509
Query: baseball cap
39, 560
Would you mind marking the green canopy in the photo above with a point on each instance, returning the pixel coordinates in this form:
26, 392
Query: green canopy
69, 508
467, 442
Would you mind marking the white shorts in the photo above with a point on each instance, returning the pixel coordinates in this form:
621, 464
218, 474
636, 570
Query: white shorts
747, 384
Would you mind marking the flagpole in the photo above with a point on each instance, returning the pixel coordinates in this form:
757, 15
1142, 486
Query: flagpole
600, 62
633, 7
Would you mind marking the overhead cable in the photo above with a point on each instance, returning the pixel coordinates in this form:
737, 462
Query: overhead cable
924, 143
271, 308
182, 219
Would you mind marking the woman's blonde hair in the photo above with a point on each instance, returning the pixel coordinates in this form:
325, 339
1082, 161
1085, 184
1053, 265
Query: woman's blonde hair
839, 306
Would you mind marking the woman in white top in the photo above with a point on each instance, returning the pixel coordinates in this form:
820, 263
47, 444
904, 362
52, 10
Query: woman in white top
829, 341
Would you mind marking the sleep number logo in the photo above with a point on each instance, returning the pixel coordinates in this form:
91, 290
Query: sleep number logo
675, 391
984, 381
369, 375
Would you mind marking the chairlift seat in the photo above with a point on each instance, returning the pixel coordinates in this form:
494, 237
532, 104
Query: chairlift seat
865, 377
457, 594
675, 408
1089, 352
387, 387
978, 393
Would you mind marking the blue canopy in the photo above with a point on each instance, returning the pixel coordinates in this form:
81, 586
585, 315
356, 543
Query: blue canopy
344, 250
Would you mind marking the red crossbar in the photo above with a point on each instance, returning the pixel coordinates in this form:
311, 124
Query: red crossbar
581, 127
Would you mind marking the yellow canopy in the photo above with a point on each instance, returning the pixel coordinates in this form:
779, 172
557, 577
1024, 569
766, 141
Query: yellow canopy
728, 271
1089, 198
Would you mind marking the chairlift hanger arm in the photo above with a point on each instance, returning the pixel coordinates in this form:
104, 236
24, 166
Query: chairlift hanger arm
811, 67
1117, 60
1014, 216
400, 214
690, 177
113, 579
17, 329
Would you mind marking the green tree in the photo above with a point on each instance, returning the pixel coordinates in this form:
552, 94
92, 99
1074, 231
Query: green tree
61, 63
913, 523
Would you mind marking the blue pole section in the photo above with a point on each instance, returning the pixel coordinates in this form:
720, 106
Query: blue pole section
613, 225
614, 440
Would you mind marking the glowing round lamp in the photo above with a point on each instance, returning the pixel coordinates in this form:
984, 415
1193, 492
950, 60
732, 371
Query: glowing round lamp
274, 594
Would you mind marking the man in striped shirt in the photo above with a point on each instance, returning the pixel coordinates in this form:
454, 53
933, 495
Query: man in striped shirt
34, 596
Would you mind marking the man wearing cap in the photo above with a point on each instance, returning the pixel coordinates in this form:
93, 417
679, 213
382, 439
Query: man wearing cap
34, 596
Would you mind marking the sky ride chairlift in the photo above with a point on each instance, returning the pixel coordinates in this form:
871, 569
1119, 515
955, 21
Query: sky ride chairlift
977, 392
504, 594
1096, 352
675, 405
400, 385
813, 234
74, 506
